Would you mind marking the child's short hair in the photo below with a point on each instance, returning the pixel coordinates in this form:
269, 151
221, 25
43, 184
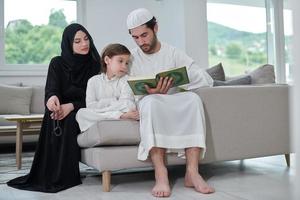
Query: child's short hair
112, 50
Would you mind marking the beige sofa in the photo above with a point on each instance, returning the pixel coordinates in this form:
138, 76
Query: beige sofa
242, 122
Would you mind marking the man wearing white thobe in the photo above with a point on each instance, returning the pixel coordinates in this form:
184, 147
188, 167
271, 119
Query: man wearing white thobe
165, 124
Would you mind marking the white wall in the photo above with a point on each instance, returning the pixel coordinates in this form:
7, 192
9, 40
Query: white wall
182, 23
106, 20
296, 91
196, 43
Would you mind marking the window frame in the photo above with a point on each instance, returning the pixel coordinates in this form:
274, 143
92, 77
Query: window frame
27, 69
276, 40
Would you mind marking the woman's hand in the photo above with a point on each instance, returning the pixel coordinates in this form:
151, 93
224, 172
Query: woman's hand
133, 114
53, 104
64, 110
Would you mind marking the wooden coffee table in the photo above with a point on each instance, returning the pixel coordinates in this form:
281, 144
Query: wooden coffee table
32, 121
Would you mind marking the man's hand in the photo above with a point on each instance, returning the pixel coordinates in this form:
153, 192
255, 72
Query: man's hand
133, 114
163, 86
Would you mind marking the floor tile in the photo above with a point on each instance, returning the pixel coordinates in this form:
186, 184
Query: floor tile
253, 179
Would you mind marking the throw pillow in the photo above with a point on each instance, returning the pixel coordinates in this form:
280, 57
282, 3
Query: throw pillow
217, 72
263, 75
15, 100
246, 80
37, 99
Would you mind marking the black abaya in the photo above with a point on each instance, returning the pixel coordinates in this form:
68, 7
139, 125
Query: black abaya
56, 161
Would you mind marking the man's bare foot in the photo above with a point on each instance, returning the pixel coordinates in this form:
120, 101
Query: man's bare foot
162, 186
195, 180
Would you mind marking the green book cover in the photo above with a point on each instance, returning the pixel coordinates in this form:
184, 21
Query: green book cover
179, 75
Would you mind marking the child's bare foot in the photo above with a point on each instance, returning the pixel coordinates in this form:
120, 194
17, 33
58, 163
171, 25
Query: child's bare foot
195, 180
161, 187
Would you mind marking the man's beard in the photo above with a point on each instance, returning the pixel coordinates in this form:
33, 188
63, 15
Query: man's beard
149, 48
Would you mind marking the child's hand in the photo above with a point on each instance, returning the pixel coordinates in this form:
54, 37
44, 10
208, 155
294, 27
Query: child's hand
133, 114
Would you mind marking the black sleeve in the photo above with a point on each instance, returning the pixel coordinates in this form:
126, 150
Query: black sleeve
78, 97
53, 82
78, 104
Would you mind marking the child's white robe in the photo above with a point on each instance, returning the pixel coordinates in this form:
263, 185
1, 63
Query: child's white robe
105, 99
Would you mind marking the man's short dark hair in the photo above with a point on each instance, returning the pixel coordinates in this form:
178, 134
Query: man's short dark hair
150, 24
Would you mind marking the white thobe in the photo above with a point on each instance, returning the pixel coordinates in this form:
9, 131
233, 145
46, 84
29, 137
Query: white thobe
105, 99
171, 121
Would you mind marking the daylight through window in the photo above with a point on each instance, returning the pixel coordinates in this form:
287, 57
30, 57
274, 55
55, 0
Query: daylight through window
237, 36
33, 29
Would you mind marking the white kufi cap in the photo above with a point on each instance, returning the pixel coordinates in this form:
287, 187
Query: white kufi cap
138, 17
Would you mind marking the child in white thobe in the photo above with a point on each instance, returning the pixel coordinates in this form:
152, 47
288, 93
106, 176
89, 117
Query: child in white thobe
108, 95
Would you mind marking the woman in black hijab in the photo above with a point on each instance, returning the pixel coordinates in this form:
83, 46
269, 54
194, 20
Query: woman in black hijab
56, 162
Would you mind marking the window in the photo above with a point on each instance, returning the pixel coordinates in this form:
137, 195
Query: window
288, 32
237, 36
32, 30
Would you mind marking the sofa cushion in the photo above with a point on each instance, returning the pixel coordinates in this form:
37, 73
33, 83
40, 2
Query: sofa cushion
263, 75
15, 100
37, 99
217, 72
245, 80
110, 132
19, 84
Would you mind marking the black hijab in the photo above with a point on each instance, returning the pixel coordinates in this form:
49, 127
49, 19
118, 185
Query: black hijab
78, 65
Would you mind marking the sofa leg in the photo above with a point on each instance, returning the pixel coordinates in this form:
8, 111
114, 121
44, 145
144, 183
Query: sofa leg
287, 159
106, 177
